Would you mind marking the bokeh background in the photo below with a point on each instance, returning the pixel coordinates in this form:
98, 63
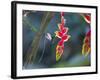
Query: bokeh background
46, 54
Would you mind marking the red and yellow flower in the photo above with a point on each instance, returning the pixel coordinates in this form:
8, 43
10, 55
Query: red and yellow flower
62, 34
86, 48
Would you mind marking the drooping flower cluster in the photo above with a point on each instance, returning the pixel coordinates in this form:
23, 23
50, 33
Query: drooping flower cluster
86, 45
62, 34
86, 48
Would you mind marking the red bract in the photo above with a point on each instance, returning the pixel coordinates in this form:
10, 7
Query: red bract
62, 34
59, 34
61, 43
65, 30
65, 38
61, 27
87, 18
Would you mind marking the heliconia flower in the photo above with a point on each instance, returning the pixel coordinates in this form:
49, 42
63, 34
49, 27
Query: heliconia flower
60, 46
86, 48
87, 18
62, 34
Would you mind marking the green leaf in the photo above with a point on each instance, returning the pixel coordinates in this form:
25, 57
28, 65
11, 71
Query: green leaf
29, 24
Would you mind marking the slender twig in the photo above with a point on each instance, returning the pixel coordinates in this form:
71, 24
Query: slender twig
42, 51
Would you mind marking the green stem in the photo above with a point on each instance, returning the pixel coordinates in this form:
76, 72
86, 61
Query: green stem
31, 54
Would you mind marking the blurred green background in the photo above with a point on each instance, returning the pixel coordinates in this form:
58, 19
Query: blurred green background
46, 54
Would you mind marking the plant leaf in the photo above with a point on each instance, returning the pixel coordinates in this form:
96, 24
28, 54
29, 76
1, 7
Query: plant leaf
29, 24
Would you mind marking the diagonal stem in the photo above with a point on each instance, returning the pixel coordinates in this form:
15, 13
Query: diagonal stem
32, 52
